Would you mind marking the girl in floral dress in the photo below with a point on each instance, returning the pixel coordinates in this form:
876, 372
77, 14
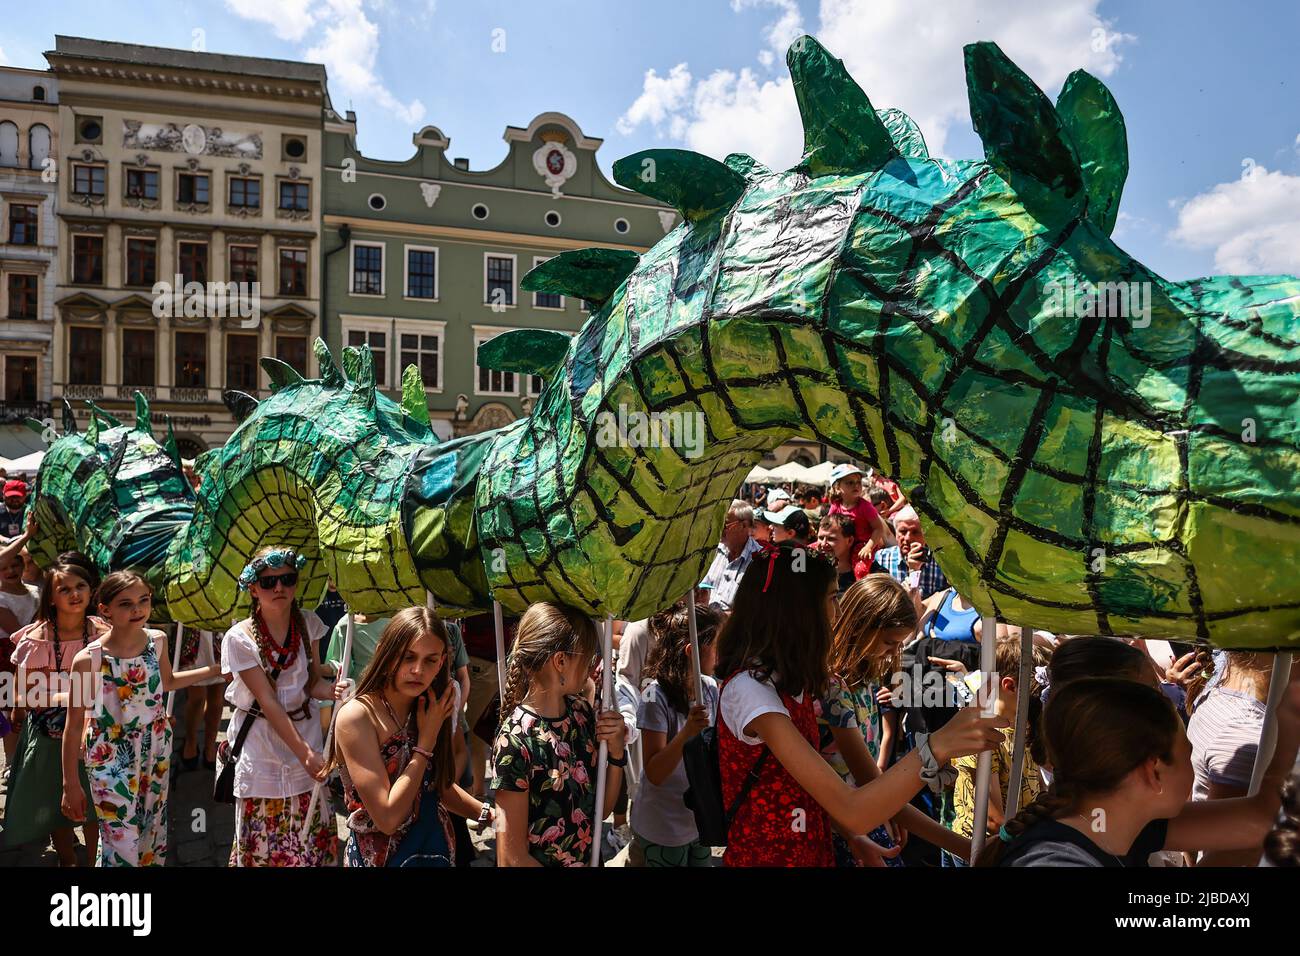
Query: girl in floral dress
128, 742
545, 755
773, 654
394, 750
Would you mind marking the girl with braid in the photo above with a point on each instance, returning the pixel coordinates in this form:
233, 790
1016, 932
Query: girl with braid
546, 751
1122, 779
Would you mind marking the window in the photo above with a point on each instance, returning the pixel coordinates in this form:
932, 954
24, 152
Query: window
139, 348
422, 351
22, 224
241, 362
20, 378
295, 196
534, 385
621, 225
142, 184
421, 273
38, 93
85, 356
87, 180
293, 271
245, 193
89, 130
191, 360
377, 202
552, 218
499, 287
192, 188
22, 296
38, 143
378, 342
243, 263
480, 211
490, 381
192, 261
295, 147
88, 260
367, 269
546, 300
141, 262
8, 144
292, 351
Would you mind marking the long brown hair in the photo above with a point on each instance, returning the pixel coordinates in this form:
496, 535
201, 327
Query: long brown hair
545, 630
403, 630
1097, 731
1257, 664
872, 606
668, 663
116, 583
778, 627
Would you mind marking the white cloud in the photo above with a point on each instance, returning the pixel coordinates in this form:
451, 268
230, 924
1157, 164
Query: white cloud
288, 19
344, 39
1252, 223
660, 96
899, 58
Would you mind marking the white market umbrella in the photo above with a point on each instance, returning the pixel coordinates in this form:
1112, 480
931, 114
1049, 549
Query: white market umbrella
759, 475
820, 474
30, 463
791, 471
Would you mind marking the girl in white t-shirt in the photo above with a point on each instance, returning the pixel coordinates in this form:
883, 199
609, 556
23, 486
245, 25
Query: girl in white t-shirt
18, 603
663, 827
281, 758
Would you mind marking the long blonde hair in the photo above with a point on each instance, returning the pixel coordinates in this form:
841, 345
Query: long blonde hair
544, 631
872, 606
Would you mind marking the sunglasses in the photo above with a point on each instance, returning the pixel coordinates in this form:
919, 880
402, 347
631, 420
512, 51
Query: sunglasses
267, 582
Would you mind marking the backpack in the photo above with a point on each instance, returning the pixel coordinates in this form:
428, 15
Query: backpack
702, 761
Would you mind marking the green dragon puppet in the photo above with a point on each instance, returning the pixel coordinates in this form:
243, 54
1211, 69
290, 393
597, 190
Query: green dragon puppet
1091, 448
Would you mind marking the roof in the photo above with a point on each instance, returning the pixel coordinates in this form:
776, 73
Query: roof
142, 55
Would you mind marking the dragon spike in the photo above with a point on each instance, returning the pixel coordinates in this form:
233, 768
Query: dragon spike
1023, 135
92, 428
1095, 124
241, 404
119, 455
414, 401
359, 367
592, 274
281, 375
841, 131
526, 352
746, 165
905, 133
329, 372
69, 418
696, 185
96, 411
173, 450
143, 420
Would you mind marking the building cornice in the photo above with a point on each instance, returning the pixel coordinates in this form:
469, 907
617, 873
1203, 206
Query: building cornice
382, 227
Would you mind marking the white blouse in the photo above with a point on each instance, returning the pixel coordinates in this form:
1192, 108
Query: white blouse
267, 768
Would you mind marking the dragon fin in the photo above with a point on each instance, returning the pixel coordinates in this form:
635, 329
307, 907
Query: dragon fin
1095, 124
904, 132
69, 418
329, 372
36, 425
173, 450
112, 420
143, 420
526, 351
359, 368
92, 428
241, 404
592, 273
282, 375
1022, 133
697, 186
841, 131
414, 402
746, 165
119, 455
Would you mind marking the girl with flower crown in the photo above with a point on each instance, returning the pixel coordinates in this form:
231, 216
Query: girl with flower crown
275, 678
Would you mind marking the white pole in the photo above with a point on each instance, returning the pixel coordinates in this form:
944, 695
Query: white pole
602, 759
695, 648
429, 601
344, 667
988, 696
176, 663
1022, 721
499, 625
1277, 686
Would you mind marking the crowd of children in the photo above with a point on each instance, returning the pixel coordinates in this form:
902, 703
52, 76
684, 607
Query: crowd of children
804, 683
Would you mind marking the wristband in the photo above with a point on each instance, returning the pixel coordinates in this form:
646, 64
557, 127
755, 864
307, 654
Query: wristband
426, 754
934, 776
619, 762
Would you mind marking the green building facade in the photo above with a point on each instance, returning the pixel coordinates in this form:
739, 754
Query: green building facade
423, 257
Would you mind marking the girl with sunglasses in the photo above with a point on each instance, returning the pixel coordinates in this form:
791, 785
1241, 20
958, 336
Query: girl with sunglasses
272, 660
546, 751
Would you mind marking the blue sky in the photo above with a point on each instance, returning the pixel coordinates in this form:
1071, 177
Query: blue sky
1209, 91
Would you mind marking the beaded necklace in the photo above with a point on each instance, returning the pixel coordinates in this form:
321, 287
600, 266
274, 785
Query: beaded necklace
285, 653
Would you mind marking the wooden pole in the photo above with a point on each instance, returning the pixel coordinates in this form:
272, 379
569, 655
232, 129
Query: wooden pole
176, 664
1023, 678
1277, 686
602, 759
344, 667
988, 696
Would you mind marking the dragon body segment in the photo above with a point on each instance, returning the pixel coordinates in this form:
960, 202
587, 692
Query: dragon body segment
1083, 469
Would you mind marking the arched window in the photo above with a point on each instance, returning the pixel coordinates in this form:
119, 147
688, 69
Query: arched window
38, 141
8, 144
38, 93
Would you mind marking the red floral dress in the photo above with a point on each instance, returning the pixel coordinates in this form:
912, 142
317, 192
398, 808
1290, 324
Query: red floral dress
779, 823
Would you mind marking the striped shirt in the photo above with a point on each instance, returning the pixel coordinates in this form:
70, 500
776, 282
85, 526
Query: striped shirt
1224, 732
